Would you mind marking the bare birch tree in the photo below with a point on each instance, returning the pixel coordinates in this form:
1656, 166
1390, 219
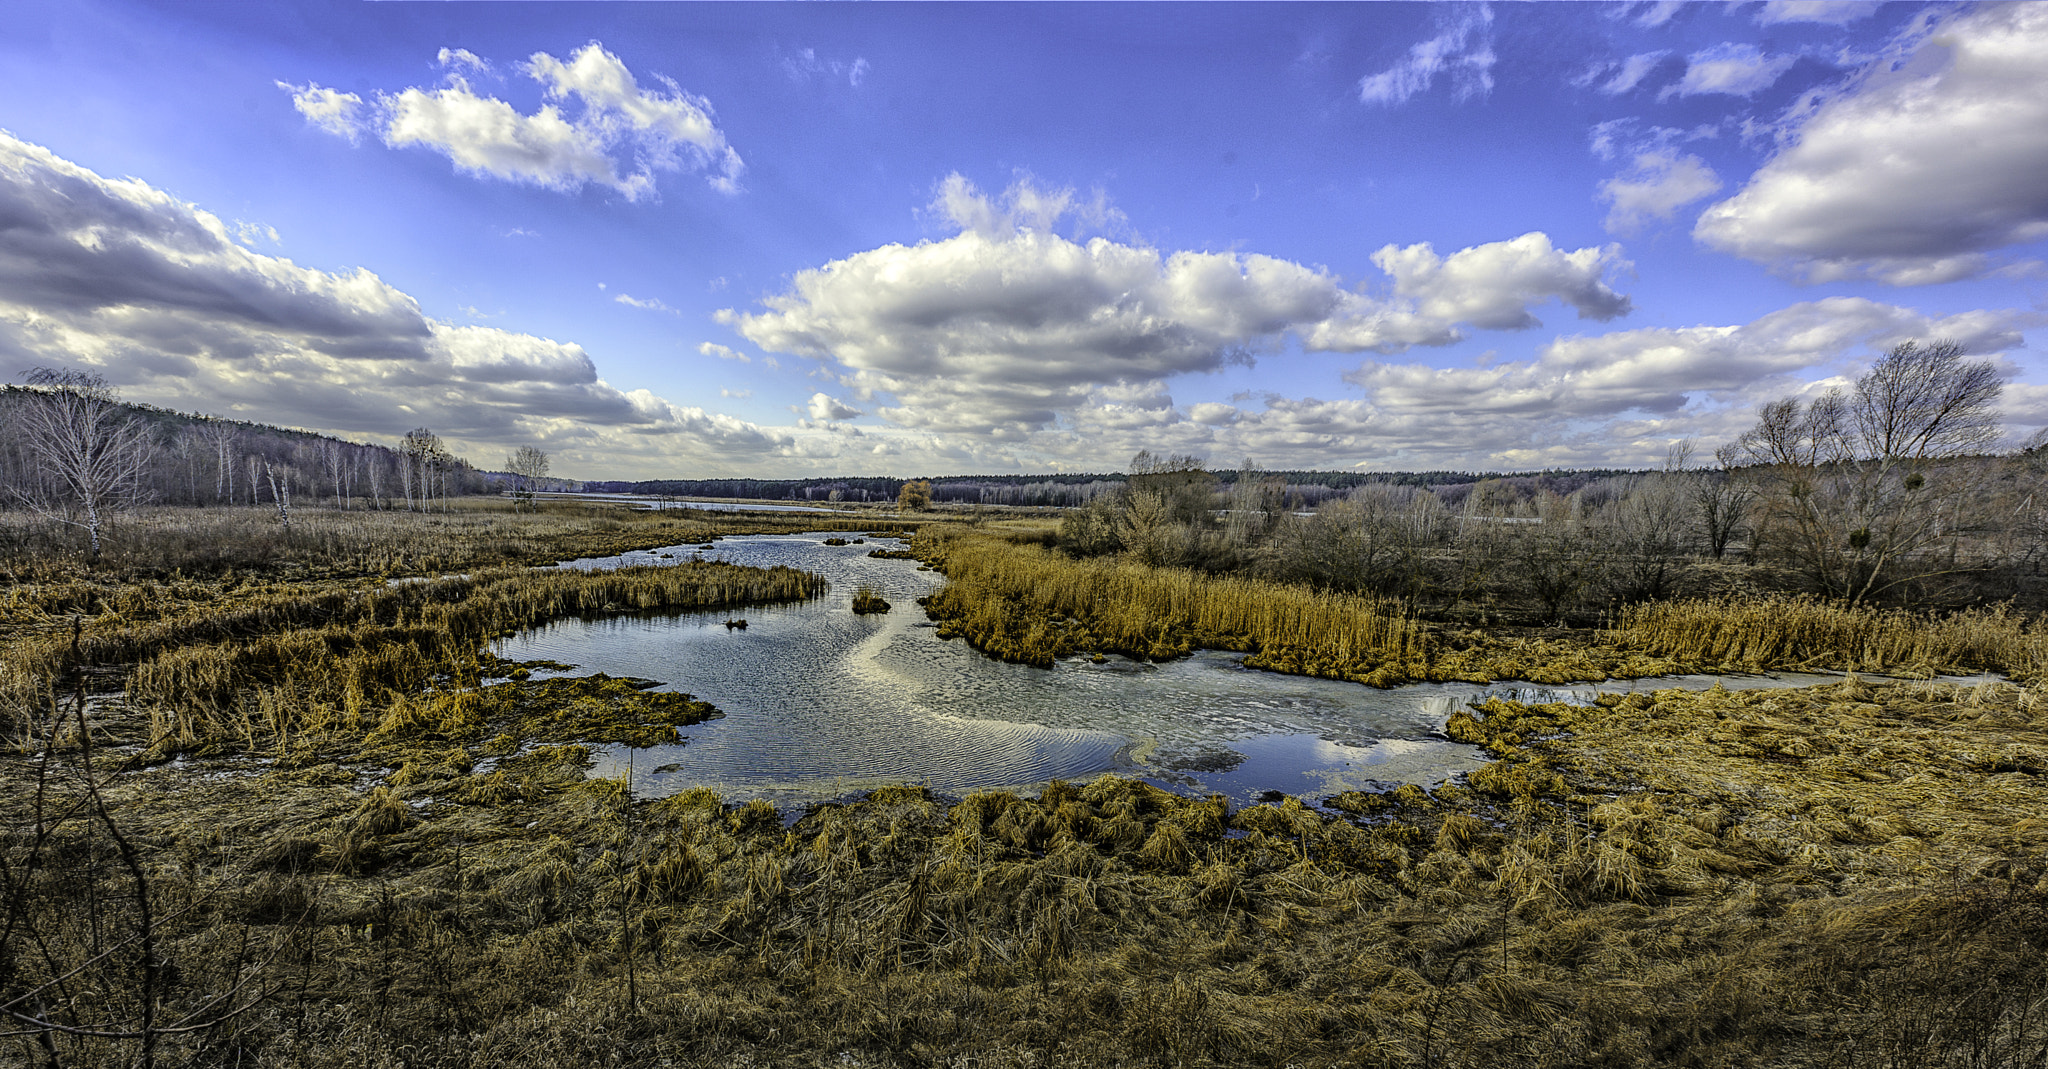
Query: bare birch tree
528, 467
422, 459
221, 437
280, 478
93, 453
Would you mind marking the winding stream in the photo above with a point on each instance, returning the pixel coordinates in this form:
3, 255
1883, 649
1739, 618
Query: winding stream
820, 703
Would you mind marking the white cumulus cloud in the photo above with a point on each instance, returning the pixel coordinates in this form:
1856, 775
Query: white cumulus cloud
1003, 326
826, 407
618, 134
1655, 369
336, 112
1916, 171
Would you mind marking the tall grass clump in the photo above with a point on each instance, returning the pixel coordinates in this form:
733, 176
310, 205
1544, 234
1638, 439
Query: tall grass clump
1028, 604
1765, 633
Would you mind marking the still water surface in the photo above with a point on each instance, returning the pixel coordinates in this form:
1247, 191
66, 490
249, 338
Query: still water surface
820, 703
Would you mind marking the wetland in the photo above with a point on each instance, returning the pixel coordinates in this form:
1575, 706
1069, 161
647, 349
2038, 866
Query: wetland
294, 814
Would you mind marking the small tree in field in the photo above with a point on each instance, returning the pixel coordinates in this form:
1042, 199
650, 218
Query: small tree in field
916, 496
528, 467
92, 453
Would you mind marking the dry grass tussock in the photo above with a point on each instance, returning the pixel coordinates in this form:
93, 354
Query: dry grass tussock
1849, 875
1028, 604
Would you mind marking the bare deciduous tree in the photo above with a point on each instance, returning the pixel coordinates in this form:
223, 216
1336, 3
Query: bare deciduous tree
529, 465
280, 478
1850, 491
424, 459
222, 437
93, 453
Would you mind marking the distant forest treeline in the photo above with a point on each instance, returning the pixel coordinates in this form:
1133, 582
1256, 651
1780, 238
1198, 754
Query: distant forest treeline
191, 459
1304, 489
194, 459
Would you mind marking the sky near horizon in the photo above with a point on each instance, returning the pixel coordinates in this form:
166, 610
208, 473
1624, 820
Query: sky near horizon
703, 240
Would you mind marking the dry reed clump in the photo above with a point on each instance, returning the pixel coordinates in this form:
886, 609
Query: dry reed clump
1766, 633
867, 600
1027, 604
1018, 601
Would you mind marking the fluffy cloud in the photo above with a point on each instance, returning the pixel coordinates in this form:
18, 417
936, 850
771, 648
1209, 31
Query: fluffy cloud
1732, 69
825, 407
1493, 285
338, 113
155, 293
1000, 328
620, 136
712, 348
1660, 182
1464, 51
1617, 399
1917, 170
1656, 370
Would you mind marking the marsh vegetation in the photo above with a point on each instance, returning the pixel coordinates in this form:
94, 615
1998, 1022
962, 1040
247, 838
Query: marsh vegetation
271, 799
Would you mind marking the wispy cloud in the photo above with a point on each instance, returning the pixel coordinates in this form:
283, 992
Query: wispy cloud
1463, 50
1658, 183
652, 304
1732, 68
805, 64
1830, 12
1615, 78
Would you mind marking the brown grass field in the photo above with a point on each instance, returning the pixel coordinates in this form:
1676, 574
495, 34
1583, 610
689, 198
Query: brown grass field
326, 829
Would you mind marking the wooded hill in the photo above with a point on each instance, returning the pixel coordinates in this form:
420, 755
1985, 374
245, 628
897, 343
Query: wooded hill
193, 459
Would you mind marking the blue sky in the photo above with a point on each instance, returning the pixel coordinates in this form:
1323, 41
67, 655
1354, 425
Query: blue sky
699, 240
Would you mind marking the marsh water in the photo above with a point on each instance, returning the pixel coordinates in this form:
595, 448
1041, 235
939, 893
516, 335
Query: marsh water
821, 703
